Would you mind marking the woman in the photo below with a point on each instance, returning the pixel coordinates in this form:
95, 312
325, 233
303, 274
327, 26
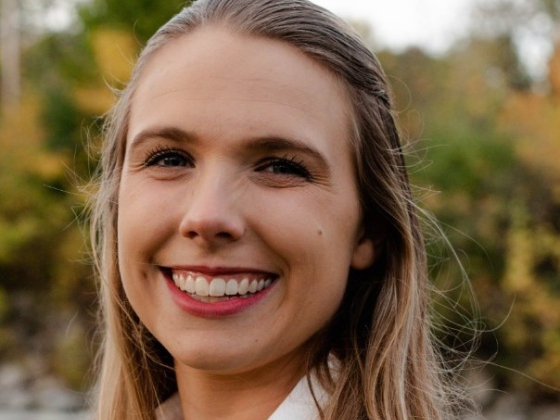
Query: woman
258, 247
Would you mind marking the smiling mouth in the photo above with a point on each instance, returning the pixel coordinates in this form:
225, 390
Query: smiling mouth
210, 289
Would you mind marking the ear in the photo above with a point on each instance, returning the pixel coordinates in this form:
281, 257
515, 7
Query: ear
363, 254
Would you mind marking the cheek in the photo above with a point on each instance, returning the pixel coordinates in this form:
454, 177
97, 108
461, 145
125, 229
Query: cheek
312, 231
139, 235
144, 220
129, 222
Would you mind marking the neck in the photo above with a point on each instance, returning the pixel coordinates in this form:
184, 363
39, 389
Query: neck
252, 395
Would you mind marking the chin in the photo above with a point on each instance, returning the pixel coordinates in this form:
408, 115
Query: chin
214, 358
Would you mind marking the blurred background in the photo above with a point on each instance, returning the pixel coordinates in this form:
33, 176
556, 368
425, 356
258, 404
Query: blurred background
479, 104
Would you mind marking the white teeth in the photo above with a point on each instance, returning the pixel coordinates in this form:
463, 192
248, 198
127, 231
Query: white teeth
179, 281
253, 286
201, 286
243, 287
217, 287
231, 287
190, 285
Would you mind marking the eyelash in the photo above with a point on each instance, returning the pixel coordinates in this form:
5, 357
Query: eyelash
296, 168
161, 152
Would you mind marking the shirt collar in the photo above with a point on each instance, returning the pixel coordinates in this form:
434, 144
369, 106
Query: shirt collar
298, 405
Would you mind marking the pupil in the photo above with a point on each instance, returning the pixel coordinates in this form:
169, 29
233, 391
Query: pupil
172, 161
283, 169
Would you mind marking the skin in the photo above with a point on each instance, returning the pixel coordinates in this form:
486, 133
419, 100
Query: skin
220, 193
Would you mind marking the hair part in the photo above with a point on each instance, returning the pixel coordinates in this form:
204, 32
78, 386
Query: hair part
387, 367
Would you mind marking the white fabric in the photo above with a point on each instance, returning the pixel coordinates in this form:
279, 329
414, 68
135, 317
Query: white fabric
298, 405
170, 409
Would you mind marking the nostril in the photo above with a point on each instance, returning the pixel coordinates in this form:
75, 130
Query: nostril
213, 231
191, 234
208, 235
224, 235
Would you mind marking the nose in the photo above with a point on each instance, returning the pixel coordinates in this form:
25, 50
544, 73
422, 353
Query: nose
212, 215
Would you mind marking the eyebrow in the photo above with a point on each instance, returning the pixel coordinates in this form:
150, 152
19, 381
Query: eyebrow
270, 143
169, 133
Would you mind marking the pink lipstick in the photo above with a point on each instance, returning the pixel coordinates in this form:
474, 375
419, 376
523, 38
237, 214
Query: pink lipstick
217, 292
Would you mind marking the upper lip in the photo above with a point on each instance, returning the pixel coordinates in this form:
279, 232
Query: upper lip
218, 270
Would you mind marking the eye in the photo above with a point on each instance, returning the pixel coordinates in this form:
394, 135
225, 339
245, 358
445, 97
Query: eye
284, 167
168, 157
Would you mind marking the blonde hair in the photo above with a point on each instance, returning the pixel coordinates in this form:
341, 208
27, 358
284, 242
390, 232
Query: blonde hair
381, 333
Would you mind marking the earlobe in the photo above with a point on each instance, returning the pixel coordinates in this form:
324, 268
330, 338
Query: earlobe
363, 255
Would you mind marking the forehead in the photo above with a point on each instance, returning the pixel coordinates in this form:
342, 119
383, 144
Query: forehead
213, 69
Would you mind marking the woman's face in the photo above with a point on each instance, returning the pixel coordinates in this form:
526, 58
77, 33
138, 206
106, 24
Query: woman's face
239, 215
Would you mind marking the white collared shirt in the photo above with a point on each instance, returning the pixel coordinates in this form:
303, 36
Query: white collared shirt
298, 405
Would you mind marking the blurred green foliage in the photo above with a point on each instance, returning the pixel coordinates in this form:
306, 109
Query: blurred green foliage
144, 17
47, 293
484, 150
484, 144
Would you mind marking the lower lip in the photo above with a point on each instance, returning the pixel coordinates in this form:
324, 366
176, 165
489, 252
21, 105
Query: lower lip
215, 309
